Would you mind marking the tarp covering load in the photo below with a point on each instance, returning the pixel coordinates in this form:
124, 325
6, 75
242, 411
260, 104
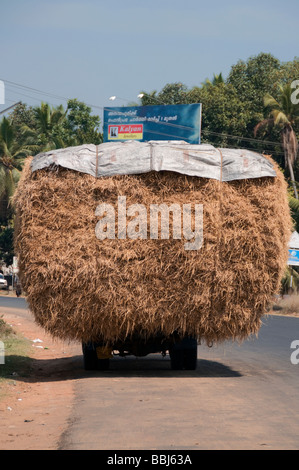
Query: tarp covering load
84, 287
141, 157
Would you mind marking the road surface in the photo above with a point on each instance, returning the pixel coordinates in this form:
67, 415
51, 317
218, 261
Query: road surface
240, 397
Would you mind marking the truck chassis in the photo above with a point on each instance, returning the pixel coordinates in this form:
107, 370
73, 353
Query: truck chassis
182, 351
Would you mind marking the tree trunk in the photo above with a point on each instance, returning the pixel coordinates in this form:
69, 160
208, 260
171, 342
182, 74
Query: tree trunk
292, 178
290, 146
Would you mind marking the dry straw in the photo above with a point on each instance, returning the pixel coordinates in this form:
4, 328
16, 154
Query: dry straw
81, 288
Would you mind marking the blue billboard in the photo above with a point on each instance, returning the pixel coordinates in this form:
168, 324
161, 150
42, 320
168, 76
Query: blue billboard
144, 123
293, 257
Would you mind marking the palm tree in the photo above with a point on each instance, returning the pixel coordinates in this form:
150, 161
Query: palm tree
11, 159
47, 132
285, 115
217, 79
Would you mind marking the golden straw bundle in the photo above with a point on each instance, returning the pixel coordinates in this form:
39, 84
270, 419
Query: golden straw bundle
80, 287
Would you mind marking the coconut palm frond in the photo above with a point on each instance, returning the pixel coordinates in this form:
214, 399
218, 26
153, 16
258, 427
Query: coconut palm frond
16, 174
293, 203
269, 101
279, 117
2, 181
6, 132
283, 114
12, 156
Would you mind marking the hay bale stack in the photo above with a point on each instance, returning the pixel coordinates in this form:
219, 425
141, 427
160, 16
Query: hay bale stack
81, 288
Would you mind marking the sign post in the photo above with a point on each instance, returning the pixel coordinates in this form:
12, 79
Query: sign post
15, 268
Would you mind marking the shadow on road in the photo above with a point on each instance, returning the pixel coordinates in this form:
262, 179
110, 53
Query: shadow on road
71, 368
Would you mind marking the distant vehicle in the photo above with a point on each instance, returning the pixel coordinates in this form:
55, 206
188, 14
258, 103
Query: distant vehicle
3, 282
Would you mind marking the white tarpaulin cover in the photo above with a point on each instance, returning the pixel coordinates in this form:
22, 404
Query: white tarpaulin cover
133, 157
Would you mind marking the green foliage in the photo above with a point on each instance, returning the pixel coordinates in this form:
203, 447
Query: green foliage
290, 280
288, 71
294, 208
45, 131
22, 115
217, 79
55, 127
223, 113
6, 245
284, 115
282, 110
12, 154
234, 106
254, 78
30, 130
172, 93
80, 126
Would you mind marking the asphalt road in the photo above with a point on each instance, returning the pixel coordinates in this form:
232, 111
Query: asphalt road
240, 397
13, 302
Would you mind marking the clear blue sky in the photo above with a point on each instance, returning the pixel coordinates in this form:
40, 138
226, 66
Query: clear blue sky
93, 49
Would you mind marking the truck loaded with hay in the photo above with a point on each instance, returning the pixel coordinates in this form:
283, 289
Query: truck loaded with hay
100, 265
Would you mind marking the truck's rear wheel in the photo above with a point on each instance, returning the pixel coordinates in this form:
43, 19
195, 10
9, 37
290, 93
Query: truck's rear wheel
176, 359
90, 358
190, 359
183, 354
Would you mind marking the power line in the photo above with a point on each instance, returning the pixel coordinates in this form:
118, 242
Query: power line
27, 96
251, 149
238, 137
12, 84
43, 93
34, 90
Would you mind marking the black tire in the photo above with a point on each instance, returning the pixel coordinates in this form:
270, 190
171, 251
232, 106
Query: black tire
190, 359
183, 355
176, 358
90, 359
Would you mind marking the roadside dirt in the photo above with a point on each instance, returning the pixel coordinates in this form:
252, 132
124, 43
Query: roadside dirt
34, 410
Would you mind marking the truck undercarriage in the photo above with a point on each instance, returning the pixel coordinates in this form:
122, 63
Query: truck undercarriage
182, 351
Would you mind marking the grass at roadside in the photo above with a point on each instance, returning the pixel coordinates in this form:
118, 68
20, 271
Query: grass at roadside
14, 354
288, 305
